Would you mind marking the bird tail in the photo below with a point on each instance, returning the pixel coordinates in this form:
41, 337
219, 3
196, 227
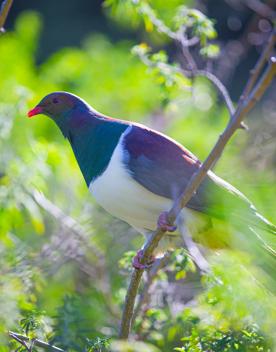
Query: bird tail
263, 223
258, 237
265, 255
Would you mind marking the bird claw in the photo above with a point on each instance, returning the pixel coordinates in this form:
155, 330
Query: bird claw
138, 265
163, 223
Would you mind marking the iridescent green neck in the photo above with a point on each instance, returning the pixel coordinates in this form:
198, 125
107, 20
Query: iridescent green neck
93, 141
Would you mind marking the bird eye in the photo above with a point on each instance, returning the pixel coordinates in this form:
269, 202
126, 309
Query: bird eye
55, 100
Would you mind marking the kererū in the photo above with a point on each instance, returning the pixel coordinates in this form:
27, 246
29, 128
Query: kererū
135, 173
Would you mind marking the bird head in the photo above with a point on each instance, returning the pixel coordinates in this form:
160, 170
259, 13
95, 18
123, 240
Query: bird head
57, 105
63, 108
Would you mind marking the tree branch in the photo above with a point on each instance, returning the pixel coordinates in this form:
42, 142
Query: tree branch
4, 11
144, 296
255, 73
244, 106
35, 342
262, 9
197, 73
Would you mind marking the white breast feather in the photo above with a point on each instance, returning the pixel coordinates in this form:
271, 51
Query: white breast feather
118, 193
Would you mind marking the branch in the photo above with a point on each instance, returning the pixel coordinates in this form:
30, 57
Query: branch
35, 342
198, 73
158, 23
144, 296
259, 66
184, 42
4, 11
244, 106
218, 84
228, 62
262, 9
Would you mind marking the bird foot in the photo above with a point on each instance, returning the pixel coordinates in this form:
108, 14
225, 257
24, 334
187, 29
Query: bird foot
138, 265
163, 223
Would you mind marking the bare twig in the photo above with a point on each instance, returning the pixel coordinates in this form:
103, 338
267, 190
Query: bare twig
198, 73
243, 108
19, 340
218, 84
255, 73
4, 11
144, 296
231, 58
245, 105
262, 9
35, 342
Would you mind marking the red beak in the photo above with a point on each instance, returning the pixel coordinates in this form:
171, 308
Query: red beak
35, 111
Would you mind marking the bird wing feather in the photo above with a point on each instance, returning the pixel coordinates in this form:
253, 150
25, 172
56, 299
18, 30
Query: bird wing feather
165, 167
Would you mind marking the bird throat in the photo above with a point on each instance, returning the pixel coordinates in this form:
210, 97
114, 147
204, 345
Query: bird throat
93, 145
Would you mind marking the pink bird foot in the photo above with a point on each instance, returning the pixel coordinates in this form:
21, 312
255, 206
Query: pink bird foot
163, 223
138, 265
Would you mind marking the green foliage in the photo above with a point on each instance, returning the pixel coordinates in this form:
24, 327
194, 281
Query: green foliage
167, 76
214, 340
210, 51
126, 261
134, 13
98, 345
200, 25
31, 322
66, 288
181, 263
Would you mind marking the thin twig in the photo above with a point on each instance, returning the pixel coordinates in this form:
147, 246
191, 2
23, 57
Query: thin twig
193, 71
39, 343
218, 84
262, 9
4, 11
19, 340
243, 108
230, 58
197, 73
182, 40
144, 296
255, 73
222, 90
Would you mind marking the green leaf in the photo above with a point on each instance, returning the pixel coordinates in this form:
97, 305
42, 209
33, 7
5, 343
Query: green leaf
210, 51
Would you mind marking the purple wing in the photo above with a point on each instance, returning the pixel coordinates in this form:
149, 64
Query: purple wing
161, 165
164, 167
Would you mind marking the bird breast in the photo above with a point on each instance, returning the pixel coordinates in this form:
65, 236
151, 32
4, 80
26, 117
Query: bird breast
118, 193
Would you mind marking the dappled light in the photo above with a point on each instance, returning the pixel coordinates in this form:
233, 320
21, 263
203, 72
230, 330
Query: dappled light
67, 278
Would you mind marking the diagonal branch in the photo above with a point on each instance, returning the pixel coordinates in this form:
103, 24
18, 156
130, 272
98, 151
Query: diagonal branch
255, 73
244, 106
261, 8
35, 342
4, 11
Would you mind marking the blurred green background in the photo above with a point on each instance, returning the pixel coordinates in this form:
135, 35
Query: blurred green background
59, 279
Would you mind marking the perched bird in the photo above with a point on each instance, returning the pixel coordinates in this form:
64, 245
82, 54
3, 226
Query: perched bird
135, 173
